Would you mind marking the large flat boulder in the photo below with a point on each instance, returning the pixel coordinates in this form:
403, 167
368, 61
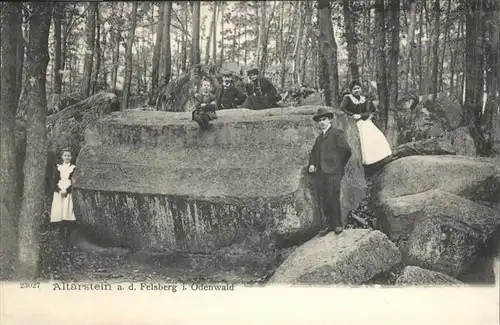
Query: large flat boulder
154, 180
414, 275
461, 175
443, 244
434, 146
353, 257
404, 212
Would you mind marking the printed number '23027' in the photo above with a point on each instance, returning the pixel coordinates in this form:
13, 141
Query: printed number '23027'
30, 285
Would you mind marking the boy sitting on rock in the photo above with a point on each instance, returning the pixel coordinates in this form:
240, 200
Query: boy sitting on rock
205, 104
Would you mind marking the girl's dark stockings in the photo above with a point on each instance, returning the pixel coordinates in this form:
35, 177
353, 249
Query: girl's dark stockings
65, 230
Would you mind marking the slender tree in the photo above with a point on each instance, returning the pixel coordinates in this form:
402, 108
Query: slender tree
195, 46
18, 32
393, 72
352, 51
433, 85
89, 53
36, 149
381, 72
211, 33
222, 6
166, 51
10, 27
157, 48
128, 57
298, 38
58, 13
474, 81
494, 96
410, 47
329, 77
97, 53
214, 33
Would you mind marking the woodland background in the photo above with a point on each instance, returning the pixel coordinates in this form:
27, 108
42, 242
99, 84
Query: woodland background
54, 53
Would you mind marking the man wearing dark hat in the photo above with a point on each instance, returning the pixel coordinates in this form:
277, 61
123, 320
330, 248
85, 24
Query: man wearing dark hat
327, 161
229, 96
261, 93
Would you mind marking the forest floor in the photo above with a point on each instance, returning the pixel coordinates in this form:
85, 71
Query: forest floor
84, 261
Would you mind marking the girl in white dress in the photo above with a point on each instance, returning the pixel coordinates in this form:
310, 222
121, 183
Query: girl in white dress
61, 213
375, 148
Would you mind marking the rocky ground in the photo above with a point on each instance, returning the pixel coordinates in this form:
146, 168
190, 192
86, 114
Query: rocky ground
84, 261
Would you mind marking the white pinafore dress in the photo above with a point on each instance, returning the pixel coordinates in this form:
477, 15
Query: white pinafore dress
62, 207
374, 145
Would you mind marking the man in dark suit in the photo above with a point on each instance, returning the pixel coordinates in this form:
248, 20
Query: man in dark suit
228, 96
327, 161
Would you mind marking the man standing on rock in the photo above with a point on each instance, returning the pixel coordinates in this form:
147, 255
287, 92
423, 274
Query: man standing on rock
327, 161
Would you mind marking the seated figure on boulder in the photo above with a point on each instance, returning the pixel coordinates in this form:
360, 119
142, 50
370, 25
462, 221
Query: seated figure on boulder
261, 93
229, 96
205, 104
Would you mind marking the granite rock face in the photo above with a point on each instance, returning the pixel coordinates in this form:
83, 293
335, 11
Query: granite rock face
353, 257
404, 212
414, 275
154, 180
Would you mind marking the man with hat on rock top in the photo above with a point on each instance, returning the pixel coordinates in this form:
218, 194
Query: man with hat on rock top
261, 93
327, 160
228, 96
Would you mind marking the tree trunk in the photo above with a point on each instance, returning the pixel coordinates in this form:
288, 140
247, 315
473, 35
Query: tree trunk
419, 52
214, 42
116, 57
258, 26
262, 14
105, 72
446, 35
89, 52
494, 126
58, 12
20, 56
221, 32
166, 51
381, 73
11, 16
410, 46
97, 53
461, 77
36, 149
433, 85
265, 41
368, 43
211, 34
128, 57
157, 48
64, 41
392, 130
195, 46
473, 65
282, 47
298, 38
306, 45
352, 51
428, 49
329, 75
